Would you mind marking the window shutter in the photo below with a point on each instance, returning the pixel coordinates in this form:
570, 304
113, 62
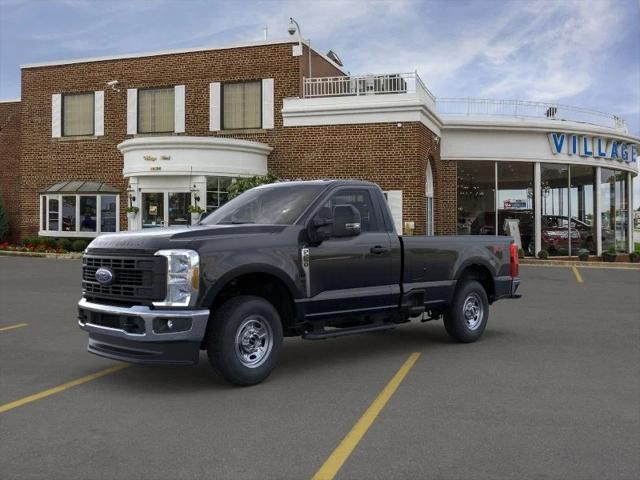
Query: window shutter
56, 115
98, 112
132, 111
394, 199
178, 110
214, 106
267, 103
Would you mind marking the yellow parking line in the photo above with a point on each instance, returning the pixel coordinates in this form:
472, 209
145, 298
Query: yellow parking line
11, 327
340, 455
577, 274
45, 393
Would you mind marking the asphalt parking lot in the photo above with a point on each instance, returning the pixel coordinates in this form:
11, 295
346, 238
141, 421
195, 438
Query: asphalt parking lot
552, 390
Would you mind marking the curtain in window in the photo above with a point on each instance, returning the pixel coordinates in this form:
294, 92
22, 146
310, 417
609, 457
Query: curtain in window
241, 106
156, 110
77, 114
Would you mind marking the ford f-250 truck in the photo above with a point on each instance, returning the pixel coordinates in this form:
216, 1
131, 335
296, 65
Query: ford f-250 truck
316, 259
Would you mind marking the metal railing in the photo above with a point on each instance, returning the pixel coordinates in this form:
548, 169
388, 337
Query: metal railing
522, 108
356, 85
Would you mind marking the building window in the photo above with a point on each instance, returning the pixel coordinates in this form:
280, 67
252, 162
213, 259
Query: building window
582, 207
217, 195
516, 202
476, 198
242, 105
614, 210
156, 110
78, 215
78, 114
428, 191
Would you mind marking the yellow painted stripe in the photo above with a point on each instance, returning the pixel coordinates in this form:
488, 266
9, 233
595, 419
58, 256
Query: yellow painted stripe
577, 274
340, 455
11, 327
60, 388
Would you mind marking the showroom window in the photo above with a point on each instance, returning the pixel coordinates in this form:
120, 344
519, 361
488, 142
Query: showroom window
217, 188
614, 210
582, 207
156, 110
242, 105
78, 208
78, 114
476, 198
516, 202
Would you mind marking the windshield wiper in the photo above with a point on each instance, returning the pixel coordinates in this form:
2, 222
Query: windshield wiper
235, 222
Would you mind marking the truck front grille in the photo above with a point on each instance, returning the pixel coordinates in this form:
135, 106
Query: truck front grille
135, 279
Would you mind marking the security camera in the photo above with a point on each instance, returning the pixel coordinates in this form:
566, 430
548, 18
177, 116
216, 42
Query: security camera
112, 83
292, 27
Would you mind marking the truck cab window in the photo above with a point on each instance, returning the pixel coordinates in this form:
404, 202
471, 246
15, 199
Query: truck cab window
361, 199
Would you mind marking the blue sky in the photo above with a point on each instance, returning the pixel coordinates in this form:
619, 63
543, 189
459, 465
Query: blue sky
578, 52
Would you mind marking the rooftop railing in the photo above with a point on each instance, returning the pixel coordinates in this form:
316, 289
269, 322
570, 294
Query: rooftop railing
521, 108
356, 85
399, 83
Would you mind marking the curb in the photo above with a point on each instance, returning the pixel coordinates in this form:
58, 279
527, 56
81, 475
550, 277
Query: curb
58, 256
573, 263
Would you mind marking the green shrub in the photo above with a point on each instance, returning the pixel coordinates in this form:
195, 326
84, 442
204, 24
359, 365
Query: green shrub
612, 249
65, 244
79, 245
543, 254
634, 257
521, 253
243, 184
583, 254
35, 241
48, 242
4, 223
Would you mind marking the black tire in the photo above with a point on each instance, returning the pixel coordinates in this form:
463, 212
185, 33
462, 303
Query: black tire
244, 317
462, 323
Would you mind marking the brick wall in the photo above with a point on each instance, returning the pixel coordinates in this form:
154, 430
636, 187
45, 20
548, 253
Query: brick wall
10, 163
395, 157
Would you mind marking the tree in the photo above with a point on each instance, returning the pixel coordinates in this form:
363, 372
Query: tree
4, 222
244, 184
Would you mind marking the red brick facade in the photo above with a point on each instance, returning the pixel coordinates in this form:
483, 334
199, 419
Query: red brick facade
391, 155
10, 163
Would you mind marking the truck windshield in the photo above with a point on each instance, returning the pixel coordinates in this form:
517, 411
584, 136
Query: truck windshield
273, 205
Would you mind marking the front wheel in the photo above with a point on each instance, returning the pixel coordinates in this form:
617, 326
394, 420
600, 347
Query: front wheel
466, 318
244, 340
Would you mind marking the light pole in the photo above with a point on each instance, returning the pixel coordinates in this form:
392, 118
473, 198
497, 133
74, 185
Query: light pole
293, 28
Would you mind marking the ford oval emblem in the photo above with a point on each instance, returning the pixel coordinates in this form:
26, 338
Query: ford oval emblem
104, 276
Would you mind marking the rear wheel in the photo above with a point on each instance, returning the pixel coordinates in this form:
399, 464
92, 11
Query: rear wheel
466, 318
244, 340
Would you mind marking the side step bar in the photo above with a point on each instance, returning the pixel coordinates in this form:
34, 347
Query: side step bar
321, 334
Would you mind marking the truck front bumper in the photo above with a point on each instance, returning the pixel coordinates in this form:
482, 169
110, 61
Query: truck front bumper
140, 334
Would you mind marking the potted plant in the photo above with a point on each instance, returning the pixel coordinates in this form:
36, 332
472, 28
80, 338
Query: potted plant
635, 256
521, 253
543, 254
131, 214
610, 255
583, 254
195, 212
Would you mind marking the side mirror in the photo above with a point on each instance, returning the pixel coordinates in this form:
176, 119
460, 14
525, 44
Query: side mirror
346, 221
320, 229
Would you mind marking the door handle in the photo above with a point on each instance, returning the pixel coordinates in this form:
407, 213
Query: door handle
378, 249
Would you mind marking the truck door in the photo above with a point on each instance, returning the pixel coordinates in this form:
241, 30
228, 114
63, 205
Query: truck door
352, 274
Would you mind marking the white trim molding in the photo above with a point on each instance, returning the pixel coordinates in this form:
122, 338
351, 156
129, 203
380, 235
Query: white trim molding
132, 111
268, 119
179, 108
98, 112
56, 115
184, 156
214, 107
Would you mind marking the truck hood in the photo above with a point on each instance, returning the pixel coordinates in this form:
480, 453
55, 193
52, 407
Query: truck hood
153, 239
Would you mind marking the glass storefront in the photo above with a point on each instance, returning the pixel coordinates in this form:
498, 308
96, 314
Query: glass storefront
476, 198
516, 201
217, 191
614, 210
568, 202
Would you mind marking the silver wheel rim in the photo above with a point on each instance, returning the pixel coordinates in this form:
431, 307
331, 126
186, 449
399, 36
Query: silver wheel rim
472, 311
254, 341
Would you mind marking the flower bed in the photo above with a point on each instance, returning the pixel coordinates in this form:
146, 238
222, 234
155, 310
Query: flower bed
46, 245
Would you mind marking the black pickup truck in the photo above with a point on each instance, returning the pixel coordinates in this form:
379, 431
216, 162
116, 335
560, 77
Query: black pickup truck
316, 259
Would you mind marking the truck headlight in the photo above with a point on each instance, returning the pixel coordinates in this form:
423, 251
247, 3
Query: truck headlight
183, 278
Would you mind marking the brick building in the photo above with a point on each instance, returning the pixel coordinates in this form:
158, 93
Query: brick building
162, 131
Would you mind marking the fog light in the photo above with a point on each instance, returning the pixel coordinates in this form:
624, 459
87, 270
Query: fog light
171, 325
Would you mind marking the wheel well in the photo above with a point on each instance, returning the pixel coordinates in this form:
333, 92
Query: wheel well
480, 274
264, 285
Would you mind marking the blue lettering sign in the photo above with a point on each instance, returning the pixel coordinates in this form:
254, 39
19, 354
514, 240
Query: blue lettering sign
634, 153
601, 150
586, 149
614, 150
573, 148
557, 142
624, 153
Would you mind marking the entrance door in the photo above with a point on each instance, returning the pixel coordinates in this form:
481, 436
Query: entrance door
177, 208
153, 209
